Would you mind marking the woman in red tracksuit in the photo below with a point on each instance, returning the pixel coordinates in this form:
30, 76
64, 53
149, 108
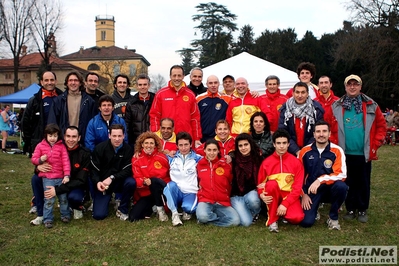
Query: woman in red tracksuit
225, 140
151, 171
215, 177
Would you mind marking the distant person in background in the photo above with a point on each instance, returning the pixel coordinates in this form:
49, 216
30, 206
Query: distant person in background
4, 127
306, 71
196, 85
121, 94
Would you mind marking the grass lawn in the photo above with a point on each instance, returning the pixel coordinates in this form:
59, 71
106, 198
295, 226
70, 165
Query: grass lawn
149, 242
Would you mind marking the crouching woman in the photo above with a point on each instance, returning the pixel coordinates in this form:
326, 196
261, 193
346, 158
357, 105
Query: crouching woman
215, 176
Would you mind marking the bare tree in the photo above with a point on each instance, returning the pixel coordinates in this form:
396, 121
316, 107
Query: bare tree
16, 24
157, 82
374, 13
46, 20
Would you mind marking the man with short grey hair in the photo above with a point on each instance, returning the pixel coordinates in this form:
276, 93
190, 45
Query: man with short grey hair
274, 100
196, 85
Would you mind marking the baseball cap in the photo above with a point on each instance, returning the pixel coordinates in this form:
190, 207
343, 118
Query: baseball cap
355, 77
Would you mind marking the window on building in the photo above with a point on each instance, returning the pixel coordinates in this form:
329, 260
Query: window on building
102, 22
103, 35
93, 67
8, 76
117, 70
132, 70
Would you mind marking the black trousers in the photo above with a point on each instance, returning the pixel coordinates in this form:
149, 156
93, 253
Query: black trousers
358, 180
143, 207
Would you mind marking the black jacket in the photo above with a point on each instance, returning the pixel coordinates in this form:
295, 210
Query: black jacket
137, 117
32, 123
197, 90
80, 163
105, 162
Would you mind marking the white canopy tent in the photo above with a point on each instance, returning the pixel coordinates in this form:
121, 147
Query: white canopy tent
254, 69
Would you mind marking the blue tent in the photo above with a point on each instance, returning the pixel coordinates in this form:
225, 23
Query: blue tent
22, 96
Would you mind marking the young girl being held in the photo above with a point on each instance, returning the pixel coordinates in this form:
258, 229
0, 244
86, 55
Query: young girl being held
52, 151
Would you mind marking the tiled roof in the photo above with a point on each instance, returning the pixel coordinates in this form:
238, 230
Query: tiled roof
34, 60
101, 53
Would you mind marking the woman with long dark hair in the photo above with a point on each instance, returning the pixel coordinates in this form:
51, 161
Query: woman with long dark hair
260, 132
246, 163
214, 177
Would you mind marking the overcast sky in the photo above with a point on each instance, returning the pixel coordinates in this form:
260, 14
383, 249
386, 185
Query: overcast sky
157, 28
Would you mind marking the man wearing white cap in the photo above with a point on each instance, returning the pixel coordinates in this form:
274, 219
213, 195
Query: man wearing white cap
361, 131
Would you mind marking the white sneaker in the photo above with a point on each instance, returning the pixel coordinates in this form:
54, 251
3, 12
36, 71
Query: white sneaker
333, 224
186, 216
176, 219
37, 221
121, 215
162, 216
317, 216
77, 214
90, 209
273, 227
33, 209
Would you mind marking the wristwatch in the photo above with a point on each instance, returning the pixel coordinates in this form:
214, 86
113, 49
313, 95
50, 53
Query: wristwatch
112, 177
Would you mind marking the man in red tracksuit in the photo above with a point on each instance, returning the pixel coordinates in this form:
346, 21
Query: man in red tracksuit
177, 102
326, 98
274, 100
280, 182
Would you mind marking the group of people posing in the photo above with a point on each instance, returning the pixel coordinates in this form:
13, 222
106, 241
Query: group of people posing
219, 155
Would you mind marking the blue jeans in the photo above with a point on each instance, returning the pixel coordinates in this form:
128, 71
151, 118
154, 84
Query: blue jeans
75, 196
48, 206
217, 214
334, 193
246, 206
174, 197
101, 201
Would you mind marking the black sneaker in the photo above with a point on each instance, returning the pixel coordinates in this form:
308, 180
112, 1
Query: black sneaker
362, 217
255, 218
350, 215
48, 225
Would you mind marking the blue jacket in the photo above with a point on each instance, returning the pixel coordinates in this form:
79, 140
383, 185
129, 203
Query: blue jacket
212, 108
59, 112
97, 130
290, 127
328, 167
